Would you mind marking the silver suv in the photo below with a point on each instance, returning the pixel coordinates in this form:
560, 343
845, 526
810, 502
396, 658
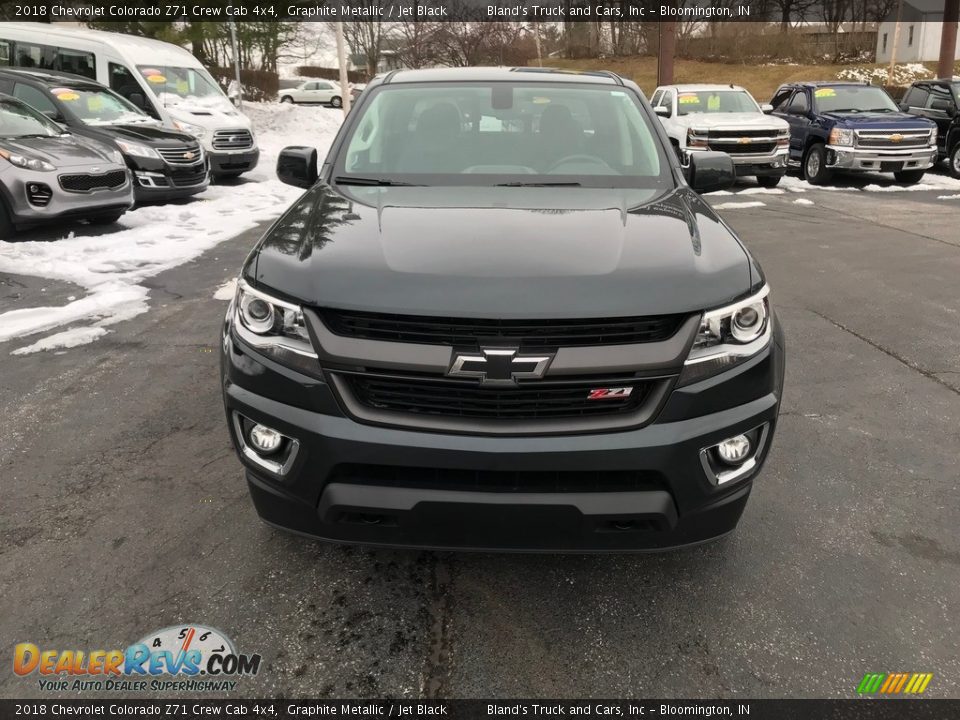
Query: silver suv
47, 174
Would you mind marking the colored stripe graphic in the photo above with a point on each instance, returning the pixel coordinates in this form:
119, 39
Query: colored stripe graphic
894, 683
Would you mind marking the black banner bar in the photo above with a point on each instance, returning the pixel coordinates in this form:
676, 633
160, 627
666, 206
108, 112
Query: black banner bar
858, 709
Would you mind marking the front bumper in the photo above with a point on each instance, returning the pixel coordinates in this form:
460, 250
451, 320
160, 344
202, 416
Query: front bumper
233, 162
156, 181
360, 483
759, 164
842, 157
62, 205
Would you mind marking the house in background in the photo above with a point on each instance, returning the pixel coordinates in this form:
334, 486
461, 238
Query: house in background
920, 26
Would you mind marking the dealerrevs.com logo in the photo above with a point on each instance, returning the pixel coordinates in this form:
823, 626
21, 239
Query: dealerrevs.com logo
178, 658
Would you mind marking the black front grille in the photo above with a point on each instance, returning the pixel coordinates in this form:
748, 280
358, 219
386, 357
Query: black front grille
769, 132
497, 480
745, 148
39, 194
87, 183
523, 333
232, 140
534, 400
186, 177
187, 155
882, 140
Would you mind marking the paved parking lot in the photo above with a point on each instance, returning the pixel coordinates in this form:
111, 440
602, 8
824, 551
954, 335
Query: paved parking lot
124, 509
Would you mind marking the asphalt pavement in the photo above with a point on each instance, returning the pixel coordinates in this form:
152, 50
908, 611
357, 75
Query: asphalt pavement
124, 509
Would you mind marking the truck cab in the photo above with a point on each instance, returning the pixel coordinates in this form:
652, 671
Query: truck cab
938, 101
853, 127
724, 118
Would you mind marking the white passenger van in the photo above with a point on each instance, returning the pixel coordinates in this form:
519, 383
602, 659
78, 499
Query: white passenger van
163, 79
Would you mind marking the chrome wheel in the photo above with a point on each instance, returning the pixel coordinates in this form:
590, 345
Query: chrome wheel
813, 164
955, 161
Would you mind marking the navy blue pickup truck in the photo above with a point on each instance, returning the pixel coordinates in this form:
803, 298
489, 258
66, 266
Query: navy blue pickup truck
853, 127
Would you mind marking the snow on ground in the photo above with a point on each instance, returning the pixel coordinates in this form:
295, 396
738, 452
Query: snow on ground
948, 197
112, 266
802, 201
735, 205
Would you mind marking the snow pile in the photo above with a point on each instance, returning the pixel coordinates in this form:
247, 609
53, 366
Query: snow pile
112, 266
902, 74
802, 201
735, 205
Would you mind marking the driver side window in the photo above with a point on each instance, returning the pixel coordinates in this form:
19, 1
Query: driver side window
799, 103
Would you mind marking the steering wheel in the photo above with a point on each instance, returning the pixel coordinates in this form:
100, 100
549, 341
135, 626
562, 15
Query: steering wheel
580, 157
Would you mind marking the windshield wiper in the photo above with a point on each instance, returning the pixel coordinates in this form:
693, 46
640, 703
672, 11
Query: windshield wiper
39, 135
847, 110
879, 110
381, 182
538, 184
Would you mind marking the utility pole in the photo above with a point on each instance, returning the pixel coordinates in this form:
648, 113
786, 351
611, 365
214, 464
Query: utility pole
236, 62
667, 34
896, 41
342, 61
948, 39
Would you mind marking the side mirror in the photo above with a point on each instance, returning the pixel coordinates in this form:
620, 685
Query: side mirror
766, 108
138, 100
297, 166
53, 115
662, 111
710, 171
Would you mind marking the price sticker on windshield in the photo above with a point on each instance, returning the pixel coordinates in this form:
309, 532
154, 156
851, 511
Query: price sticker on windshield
825, 92
689, 99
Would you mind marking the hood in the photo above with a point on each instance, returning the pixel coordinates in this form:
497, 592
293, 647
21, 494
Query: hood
143, 134
208, 112
881, 121
503, 252
733, 121
64, 151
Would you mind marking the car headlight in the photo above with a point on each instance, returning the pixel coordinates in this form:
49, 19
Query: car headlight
116, 156
136, 149
840, 136
783, 138
933, 135
198, 131
274, 327
697, 138
728, 336
28, 163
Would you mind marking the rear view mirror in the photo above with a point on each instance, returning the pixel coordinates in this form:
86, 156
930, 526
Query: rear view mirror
710, 171
53, 115
766, 108
662, 111
297, 166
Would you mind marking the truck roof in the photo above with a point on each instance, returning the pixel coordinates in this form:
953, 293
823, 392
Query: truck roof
502, 74
693, 87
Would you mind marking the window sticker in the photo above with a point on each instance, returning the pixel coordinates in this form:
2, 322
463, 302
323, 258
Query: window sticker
825, 92
68, 96
541, 101
713, 102
688, 99
156, 79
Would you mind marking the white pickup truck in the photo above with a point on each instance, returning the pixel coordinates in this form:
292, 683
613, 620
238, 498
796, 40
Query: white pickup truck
728, 119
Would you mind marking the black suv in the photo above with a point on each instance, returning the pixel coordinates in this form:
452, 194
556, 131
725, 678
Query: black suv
502, 318
165, 164
938, 100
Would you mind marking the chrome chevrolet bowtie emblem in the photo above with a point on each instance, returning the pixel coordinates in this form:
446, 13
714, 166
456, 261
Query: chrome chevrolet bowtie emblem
188, 155
499, 365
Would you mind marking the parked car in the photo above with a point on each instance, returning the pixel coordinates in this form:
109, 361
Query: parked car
538, 336
313, 91
47, 174
162, 79
855, 127
165, 164
938, 101
728, 119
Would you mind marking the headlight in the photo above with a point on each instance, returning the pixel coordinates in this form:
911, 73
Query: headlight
136, 149
696, 138
728, 336
839, 136
116, 156
933, 135
783, 138
274, 327
28, 163
198, 131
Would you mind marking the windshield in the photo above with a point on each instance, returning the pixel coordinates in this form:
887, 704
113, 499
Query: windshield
853, 98
715, 101
17, 120
503, 134
98, 106
175, 84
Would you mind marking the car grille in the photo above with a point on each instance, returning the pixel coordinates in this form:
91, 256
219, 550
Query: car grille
537, 400
232, 140
189, 176
744, 148
737, 134
497, 480
892, 140
522, 333
88, 183
178, 156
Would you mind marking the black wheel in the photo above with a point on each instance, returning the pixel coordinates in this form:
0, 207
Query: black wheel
104, 219
286, 99
909, 177
335, 101
7, 229
768, 181
953, 161
815, 168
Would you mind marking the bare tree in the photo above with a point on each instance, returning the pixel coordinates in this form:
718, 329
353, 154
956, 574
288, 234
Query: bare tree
365, 39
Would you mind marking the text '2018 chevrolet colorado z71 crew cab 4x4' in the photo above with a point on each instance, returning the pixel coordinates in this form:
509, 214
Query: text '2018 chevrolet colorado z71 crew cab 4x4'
501, 317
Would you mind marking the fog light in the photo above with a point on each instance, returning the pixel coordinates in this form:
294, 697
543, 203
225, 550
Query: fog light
267, 440
734, 450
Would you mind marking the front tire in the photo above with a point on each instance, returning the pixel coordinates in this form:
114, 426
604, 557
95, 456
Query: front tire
909, 177
815, 168
7, 229
953, 160
336, 102
287, 99
768, 181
